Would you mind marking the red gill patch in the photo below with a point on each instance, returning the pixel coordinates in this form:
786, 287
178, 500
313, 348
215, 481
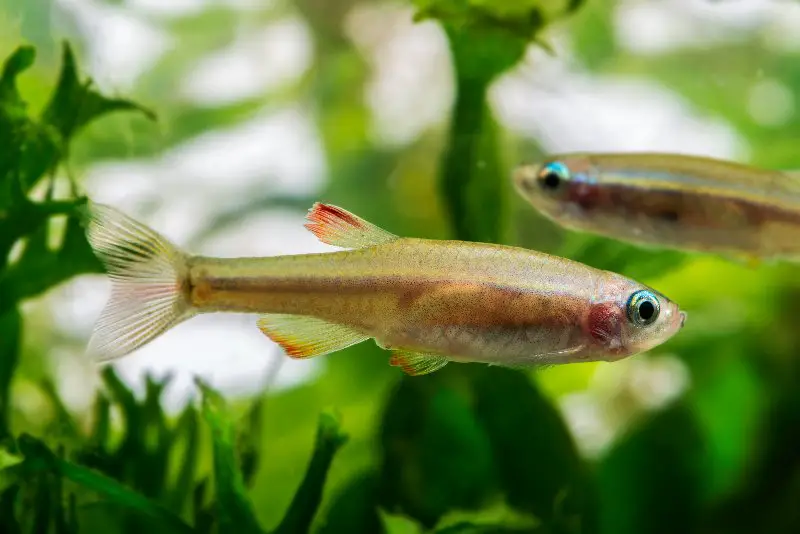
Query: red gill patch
605, 323
585, 195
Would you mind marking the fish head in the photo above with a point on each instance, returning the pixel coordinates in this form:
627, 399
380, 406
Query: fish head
628, 318
560, 187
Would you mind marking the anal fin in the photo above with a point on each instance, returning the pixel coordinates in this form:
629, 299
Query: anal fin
301, 336
417, 363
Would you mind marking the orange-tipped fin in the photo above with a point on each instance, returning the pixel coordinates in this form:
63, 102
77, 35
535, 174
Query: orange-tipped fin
417, 363
336, 226
305, 337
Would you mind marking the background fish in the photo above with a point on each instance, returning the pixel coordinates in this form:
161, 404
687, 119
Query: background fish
675, 201
428, 301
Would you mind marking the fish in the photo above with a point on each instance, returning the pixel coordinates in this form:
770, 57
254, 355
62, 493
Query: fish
427, 302
695, 204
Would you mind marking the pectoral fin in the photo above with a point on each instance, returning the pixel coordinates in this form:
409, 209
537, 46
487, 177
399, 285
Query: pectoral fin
417, 363
338, 227
305, 337
546, 360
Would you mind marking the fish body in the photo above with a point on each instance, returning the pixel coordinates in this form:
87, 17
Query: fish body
428, 301
666, 200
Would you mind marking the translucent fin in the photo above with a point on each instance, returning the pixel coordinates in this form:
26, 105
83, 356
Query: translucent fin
338, 227
305, 337
753, 262
147, 274
417, 363
792, 184
543, 360
749, 261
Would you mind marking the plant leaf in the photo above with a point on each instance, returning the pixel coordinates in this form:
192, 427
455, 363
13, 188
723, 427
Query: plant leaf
488, 518
537, 461
651, 480
249, 442
74, 104
102, 416
39, 459
399, 524
354, 508
65, 423
204, 520
235, 510
301, 512
40, 269
8, 513
17, 63
436, 454
471, 528
764, 499
151, 475
186, 433
10, 331
472, 176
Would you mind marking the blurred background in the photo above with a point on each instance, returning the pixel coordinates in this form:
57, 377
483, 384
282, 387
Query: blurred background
266, 106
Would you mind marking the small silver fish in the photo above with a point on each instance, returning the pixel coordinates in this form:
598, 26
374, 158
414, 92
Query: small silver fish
666, 200
428, 301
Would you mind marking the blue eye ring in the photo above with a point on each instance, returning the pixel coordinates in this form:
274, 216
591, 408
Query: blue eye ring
643, 308
553, 174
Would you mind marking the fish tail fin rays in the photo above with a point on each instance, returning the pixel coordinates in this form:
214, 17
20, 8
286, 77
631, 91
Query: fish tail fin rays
149, 278
335, 226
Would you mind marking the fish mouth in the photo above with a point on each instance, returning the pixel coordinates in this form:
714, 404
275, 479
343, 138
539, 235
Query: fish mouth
524, 177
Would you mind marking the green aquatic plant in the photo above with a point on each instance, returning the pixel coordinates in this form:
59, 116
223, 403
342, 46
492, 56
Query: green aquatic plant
467, 450
147, 473
92, 484
89, 480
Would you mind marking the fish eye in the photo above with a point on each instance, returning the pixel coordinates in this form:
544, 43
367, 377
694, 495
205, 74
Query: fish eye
643, 308
553, 175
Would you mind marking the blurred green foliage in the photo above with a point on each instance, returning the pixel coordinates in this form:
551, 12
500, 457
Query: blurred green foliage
134, 478
468, 449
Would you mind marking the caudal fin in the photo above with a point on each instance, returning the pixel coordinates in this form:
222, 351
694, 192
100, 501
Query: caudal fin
148, 275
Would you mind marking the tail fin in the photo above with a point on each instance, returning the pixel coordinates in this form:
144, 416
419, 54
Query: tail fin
149, 283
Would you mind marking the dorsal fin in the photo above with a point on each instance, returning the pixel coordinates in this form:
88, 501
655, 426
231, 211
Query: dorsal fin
338, 227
